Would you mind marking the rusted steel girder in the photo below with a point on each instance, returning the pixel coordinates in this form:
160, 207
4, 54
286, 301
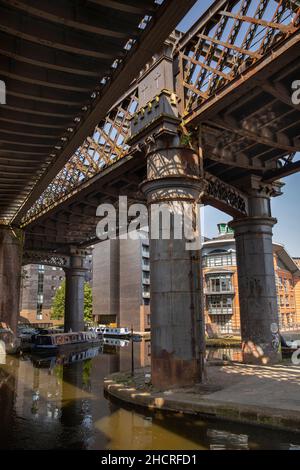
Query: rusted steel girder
224, 44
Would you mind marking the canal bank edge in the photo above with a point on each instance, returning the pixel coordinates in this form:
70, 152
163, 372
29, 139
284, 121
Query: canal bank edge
119, 386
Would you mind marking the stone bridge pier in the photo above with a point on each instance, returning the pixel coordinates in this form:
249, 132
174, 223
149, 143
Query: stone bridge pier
11, 246
74, 298
256, 276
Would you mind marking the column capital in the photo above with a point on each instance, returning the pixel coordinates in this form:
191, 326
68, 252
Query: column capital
77, 260
255, 224
174, 188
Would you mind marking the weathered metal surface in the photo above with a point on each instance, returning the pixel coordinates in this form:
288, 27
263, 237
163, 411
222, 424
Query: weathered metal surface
106, 146
65, 64
223, 45
244, 122
11, 246
47, 259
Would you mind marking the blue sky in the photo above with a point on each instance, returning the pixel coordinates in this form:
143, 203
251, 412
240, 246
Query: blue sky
285, 208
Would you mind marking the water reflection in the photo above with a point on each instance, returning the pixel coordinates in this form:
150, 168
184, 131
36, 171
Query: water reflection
58, 403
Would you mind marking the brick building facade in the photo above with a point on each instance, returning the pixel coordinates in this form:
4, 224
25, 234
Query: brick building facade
222, 309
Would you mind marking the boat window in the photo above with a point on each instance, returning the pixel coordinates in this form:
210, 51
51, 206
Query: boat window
43, 340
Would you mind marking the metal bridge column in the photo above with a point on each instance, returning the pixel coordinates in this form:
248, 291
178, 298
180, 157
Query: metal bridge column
11, 245
173, 189
257, 288
74, 298
173, 181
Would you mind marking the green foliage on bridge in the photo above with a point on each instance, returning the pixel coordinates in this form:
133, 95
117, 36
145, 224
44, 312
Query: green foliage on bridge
58, 306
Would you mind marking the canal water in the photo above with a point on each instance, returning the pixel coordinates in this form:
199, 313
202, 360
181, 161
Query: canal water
58, 403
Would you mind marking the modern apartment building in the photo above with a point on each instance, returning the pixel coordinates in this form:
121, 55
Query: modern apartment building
39, 284
38, 287
121, 283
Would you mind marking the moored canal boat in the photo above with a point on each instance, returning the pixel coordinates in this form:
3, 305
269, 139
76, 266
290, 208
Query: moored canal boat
111, 332
62, 341
115, 332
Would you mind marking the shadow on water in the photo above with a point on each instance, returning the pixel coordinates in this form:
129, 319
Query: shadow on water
58, 403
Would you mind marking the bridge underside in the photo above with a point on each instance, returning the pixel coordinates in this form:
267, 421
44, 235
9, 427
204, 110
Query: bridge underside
253, 130
65, 63
253, 125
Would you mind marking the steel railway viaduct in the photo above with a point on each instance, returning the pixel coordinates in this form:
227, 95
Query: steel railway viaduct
105, 99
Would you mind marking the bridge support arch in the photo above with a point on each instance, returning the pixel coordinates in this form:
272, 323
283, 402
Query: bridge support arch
74, 297
257, 287
11, 246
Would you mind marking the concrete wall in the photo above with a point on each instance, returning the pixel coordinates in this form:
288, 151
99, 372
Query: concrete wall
117, 284
130, 283
106, 281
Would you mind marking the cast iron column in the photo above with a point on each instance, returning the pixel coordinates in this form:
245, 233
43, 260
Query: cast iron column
174, 186
257, 288
74, 298
11, 245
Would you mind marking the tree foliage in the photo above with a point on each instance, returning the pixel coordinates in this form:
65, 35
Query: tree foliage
58, 305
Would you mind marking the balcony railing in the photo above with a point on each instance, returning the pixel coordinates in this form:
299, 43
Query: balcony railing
220, 310
218, 291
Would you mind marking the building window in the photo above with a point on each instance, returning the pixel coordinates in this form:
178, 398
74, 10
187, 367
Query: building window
219, 259
146, 291
40, 292
219, 283
224, 323
145, 249
219, 305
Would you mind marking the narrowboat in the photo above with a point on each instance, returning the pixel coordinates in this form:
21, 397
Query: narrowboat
62, 341
112, 332
121, 343
26, 337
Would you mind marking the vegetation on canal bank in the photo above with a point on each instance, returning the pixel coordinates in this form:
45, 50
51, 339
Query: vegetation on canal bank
234, 342
58, 306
